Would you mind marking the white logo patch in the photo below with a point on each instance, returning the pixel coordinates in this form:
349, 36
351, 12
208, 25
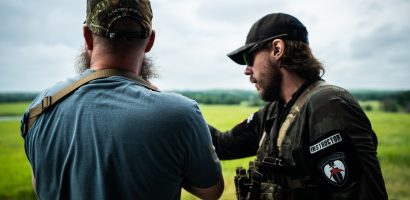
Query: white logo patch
335, 169
327, 142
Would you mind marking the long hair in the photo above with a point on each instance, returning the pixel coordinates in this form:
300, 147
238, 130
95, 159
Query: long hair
298, 58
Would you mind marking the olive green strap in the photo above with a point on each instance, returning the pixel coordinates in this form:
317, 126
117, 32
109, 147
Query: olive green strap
300, 102
48, 101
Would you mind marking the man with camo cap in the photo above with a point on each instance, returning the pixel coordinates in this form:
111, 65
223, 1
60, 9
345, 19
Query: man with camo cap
108, 133
311, 140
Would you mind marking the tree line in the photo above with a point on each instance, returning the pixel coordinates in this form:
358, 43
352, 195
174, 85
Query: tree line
391, 101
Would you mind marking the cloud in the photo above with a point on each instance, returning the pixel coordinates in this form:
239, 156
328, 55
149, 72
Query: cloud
363, 44
36, 67
377, 55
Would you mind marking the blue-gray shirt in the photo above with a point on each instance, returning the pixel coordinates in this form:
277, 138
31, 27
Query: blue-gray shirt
113, 139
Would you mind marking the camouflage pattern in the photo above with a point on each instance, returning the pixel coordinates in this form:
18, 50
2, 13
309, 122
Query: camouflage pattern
101, 14
285, 140
327, 138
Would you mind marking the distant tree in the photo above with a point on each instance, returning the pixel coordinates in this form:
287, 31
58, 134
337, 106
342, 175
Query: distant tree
254, 101
403, 99
406, 108
218, 96
16, 97
368, 107
380, 95
390, 105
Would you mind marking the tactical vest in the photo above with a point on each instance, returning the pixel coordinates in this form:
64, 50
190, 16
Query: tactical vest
277, 170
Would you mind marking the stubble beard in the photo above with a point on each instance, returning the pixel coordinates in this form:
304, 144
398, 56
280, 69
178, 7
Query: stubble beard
270, 83
83, 62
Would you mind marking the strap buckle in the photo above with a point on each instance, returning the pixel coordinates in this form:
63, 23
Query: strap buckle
46, 102
256, 176
25, 129
274, 162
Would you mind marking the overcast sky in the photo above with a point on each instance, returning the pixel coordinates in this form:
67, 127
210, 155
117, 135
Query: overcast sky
363, 44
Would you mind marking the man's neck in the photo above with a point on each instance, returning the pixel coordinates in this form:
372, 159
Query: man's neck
121, 67
290, 84
129, 62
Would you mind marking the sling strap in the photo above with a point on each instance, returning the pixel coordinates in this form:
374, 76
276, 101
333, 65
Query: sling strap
277, 162
48, 101
300, 102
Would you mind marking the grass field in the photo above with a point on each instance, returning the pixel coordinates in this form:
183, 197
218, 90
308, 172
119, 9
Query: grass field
393, 131
12, 109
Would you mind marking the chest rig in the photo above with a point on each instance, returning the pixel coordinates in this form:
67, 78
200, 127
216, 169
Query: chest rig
271, 175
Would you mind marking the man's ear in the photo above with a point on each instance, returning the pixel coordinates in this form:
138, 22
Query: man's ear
88, 38
150, 42
278, 51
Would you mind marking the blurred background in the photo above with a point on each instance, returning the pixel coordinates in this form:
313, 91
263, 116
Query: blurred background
364, 46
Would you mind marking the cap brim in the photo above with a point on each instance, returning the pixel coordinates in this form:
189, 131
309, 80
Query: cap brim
237, 55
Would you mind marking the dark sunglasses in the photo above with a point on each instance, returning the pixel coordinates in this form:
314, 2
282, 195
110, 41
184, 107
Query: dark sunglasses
249, 56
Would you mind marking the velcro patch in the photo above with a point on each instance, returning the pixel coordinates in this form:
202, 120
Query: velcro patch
334, 169
325, 143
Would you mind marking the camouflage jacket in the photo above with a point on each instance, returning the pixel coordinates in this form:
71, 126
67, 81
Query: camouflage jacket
330, 144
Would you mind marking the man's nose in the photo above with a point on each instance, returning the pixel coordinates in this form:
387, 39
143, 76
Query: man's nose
248, 70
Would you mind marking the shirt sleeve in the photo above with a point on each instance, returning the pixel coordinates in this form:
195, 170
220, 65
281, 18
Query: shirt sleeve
242, 140
203, 168
343, 147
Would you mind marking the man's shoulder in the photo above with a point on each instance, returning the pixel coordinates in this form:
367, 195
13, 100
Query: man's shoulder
325, 93
174, 101
56, 88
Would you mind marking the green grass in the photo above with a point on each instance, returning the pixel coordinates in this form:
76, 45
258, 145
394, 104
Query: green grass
374, 105
15, 172
392, 130
12, 109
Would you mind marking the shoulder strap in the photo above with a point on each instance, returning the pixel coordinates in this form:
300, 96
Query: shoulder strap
300, 102
48, 101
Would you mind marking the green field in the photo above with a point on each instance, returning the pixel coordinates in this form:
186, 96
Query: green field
392, 130
12, 109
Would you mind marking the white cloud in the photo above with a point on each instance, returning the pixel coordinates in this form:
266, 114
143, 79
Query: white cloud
363, 44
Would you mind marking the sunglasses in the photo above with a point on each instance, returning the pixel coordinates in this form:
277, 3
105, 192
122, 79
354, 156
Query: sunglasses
249, 56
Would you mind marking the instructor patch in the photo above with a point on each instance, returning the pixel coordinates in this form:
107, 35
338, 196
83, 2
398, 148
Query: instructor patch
327, 142
334, 169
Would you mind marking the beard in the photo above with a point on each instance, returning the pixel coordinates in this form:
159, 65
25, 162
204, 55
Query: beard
83, 62
148, 70
270, 83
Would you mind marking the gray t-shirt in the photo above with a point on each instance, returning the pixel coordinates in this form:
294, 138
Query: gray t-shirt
114, 139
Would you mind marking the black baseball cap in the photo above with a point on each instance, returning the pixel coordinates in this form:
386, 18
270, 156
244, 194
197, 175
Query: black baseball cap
269, 27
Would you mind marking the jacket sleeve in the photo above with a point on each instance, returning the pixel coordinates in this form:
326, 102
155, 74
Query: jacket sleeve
343, 147
242, 140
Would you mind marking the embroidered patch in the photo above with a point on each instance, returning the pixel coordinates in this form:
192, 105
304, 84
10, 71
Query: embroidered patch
325, 143
334, 169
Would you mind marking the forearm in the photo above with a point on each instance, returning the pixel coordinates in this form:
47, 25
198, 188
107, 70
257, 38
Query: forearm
213, 192
237, 143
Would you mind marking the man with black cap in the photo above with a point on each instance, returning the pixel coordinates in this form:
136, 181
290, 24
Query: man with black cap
311, 139
108, 133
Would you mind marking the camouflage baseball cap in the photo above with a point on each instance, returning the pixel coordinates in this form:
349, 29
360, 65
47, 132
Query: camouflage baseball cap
101, 14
